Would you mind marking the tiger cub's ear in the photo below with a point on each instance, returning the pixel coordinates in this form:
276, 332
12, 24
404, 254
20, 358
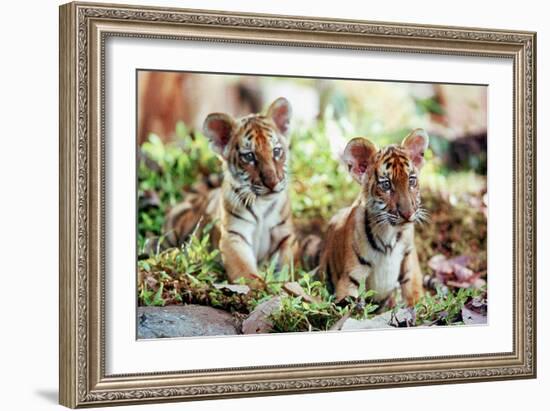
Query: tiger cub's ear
358, 154
416, 144
280, 112
218, 127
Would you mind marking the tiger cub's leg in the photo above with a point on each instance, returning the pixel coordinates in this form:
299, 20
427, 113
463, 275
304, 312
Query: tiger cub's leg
410, 278
284, 245
348, 285
238, 259
346, 288
287, 251
183, 219
309, 252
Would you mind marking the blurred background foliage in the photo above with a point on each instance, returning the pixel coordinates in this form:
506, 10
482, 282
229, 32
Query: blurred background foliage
174, 156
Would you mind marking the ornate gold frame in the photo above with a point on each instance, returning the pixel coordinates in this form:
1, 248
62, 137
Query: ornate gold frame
83, 30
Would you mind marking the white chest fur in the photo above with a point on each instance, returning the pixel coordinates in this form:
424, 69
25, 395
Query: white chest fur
384, 257
268, 215
385, 270
257, 223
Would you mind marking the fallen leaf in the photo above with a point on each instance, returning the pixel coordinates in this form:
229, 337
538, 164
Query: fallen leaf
296, 290
462, 273
454, 271
403, 317
437, 262
475, 283
150, 281
258, 321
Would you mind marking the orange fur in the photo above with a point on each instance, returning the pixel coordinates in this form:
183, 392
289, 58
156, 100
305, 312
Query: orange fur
372, 241
251, 210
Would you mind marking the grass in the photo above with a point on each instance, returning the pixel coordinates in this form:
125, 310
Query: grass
444, 309
319, 187
189, 275
165, 172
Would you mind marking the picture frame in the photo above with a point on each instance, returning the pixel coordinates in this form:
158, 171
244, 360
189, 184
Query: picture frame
84, 30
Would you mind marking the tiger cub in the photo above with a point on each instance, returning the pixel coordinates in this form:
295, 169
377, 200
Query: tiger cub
251, 210
372, 242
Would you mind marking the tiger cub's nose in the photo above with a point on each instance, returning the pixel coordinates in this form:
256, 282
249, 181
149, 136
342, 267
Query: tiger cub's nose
269, 180
406, 214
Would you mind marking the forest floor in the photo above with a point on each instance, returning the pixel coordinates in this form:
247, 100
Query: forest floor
451, 247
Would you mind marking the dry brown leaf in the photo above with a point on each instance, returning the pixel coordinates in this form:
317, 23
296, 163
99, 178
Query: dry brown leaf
258, 321
296, 290
454, 271
404, 317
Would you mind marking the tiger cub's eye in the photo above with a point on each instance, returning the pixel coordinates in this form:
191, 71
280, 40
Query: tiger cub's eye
248, 157
412, 181
385, 185
277, 152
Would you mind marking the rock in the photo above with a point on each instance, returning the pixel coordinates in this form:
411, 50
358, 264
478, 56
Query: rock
402, 317
258, 321
233, 288
337, 326
470, 317
475, 311
184, 321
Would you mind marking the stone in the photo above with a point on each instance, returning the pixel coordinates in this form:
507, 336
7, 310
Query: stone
233, 288
184, 321
377, 322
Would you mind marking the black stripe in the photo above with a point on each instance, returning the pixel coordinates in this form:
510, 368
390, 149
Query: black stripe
263, 126
179, 215
306, 243
270, 208
401, 157
370, 237
386, 246
252, 212
284, 220
239, 235
280, 223
361, 260
402, 279
237, 190
279, 245
354, 281
239, 217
